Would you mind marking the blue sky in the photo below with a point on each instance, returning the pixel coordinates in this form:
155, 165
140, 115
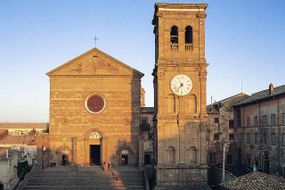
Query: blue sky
244, 41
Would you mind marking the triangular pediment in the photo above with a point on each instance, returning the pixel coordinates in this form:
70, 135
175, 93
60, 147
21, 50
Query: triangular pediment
94, 62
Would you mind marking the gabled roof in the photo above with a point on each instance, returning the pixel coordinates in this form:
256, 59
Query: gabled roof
263, 95
90, 62
230, 101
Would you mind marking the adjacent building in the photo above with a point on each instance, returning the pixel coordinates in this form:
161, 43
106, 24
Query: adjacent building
148, 135
22, 137
8, 168
221, 129
260, 128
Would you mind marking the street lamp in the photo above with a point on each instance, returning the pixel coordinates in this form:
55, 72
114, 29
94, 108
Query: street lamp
224, 143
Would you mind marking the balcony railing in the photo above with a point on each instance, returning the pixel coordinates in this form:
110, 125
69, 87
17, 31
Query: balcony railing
145, 126
188, 47
174, 47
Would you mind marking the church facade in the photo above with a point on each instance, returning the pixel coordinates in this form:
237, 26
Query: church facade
94, 111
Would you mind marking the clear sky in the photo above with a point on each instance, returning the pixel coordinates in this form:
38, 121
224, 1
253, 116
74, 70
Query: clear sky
245, 41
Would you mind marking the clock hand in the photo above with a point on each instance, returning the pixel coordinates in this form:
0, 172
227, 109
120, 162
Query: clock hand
181, 85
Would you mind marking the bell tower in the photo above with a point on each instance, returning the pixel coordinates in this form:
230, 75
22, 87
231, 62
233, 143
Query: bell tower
180, 94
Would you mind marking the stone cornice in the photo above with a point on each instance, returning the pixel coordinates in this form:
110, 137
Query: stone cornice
181, 6
94, 75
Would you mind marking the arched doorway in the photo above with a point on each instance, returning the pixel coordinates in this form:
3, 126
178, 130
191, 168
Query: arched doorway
93, 148
125, 156
62, 155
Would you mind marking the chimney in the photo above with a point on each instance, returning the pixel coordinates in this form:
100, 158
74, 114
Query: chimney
271, 88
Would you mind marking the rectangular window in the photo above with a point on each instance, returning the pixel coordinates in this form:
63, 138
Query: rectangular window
240, 137
283, 138
265, 139
216, 120
216, 136
261, 138
144, 121
264, 120
231, 137
229, 159
212, 158
283, 118
273, 138
255, 121
238, 118
256, 138
248, 121
231, 123
273, 120
248, 138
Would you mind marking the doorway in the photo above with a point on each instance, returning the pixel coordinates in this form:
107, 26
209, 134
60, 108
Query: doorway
124, 160
95, 155
266, 163
146, 159
64, 160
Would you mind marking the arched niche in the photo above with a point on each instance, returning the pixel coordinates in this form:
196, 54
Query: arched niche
171, 154
125, 155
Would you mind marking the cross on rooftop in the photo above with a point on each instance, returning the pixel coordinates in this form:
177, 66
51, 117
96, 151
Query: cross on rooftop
95, 40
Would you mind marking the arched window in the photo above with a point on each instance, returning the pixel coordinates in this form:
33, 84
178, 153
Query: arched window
192, 104
174, 35
171, 104
192, 154
171, 154
188, 35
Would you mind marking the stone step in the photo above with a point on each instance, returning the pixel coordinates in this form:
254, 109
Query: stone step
80, 182
85, 184
85, 178
82, 187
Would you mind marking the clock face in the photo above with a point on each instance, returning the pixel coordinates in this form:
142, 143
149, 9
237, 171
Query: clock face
181, 85
95, 103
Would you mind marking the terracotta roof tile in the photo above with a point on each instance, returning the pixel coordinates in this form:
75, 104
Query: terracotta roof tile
262, 95
8, 125
255, 181
16, 140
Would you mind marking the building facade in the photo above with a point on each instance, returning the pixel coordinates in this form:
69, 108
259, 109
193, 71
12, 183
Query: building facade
148, 136
95, 111
260, 127
180, 113
221, 130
